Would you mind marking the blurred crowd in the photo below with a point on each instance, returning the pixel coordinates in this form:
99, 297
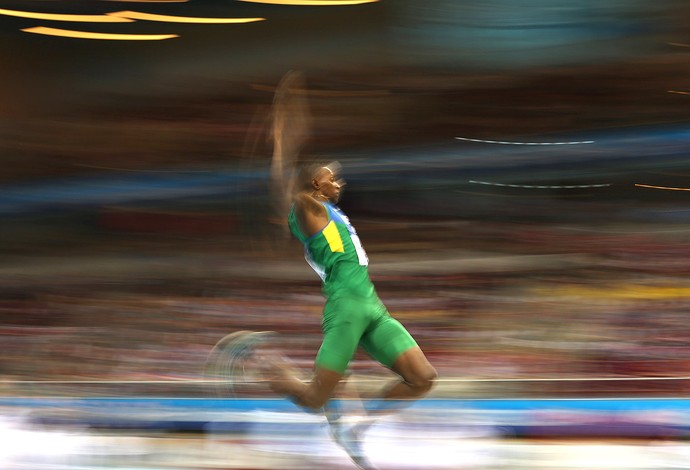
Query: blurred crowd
500, 309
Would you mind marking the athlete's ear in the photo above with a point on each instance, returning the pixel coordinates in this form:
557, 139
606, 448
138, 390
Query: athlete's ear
315, 183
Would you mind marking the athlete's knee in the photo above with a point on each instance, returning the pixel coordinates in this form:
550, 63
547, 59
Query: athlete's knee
424, 381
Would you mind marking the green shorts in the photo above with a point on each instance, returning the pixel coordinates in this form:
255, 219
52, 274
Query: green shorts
348, 322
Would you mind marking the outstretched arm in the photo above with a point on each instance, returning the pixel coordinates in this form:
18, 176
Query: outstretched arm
289, 131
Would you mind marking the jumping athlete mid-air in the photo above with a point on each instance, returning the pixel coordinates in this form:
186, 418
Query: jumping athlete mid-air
353, 314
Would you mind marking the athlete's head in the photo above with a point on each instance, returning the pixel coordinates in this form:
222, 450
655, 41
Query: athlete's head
323, 181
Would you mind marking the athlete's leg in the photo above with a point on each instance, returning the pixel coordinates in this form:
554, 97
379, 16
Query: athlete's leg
417, 376
392, 345
313, 394
342, 330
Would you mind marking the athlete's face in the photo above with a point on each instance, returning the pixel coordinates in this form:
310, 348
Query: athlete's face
327, 185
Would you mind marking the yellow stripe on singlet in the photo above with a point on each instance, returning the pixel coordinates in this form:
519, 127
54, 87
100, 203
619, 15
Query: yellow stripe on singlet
333, 238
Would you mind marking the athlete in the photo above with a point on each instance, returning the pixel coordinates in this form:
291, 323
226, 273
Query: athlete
353, 314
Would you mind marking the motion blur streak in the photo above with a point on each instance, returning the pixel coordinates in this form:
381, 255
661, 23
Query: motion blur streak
312, 3
62, 17
146, 1
104, 36
651, 186
503, 142
135, 15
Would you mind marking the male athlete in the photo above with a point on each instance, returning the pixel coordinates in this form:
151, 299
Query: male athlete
353, 314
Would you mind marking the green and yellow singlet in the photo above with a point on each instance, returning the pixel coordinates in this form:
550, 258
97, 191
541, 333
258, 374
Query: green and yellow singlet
353, 314
336, 254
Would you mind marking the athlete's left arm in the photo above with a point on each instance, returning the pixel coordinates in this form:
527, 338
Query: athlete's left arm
311, 214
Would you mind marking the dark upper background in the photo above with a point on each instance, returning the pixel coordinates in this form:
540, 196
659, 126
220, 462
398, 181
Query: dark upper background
389, 80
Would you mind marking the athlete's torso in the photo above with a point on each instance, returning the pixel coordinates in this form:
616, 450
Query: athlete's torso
336, 254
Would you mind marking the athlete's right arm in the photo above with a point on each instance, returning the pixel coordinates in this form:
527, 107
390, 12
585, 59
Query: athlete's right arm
311, 214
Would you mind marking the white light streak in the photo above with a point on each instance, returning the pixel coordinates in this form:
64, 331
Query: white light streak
540, 186
503, 142
356, 379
